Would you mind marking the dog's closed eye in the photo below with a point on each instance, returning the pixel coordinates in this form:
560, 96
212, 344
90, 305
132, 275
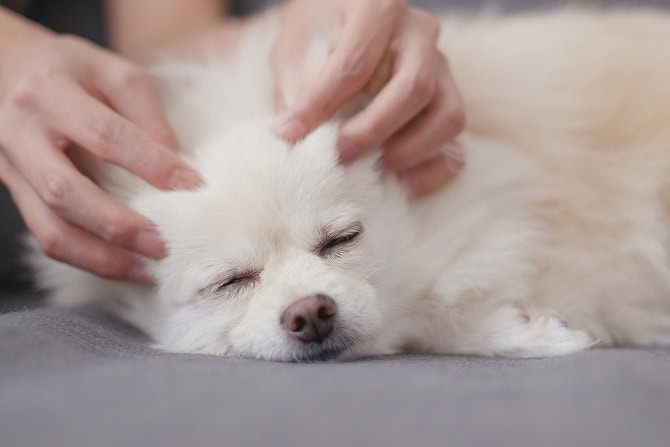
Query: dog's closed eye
332, 243
231, 283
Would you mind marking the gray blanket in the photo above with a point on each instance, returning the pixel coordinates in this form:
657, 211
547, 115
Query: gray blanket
84, 379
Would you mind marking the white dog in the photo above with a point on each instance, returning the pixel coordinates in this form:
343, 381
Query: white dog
555, 237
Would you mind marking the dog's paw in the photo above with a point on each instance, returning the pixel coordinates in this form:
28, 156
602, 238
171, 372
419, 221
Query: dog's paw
516, 331
543, 336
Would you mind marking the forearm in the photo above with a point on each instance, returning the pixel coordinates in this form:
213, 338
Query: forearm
137, 27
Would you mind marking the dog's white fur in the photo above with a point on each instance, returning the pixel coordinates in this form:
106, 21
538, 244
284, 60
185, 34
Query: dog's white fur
555, 237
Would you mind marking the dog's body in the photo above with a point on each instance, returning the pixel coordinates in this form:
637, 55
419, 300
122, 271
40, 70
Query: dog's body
556, 236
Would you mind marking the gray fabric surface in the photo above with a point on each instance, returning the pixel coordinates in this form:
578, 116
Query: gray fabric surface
80, 378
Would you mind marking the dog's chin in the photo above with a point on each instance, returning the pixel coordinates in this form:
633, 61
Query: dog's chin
318, 355
334, 347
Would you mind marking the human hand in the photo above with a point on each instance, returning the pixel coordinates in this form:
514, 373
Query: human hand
416, 112
56, 91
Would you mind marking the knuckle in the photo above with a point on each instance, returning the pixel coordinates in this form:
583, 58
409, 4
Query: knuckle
56, 191
133, 76
30, 89
106, 134
356, 66
421, 85
114, 229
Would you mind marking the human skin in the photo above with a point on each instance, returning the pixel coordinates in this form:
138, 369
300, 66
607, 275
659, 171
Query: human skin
415, 112
57, 92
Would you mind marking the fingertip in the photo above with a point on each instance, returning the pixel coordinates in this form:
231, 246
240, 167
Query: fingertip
290, 128
139, 273
346, 149
149, 243
184, 178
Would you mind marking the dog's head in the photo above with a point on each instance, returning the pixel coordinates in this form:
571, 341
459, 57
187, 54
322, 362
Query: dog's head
274, 258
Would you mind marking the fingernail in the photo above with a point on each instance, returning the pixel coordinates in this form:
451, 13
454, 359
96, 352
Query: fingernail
149, 243
138, 273
185, 179
346, 149
290, 129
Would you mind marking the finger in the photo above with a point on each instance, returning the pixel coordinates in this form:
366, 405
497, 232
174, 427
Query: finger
131, 92
77, 200
74, 246
440, 123
410, 90
430, 175
279, 101
126, 87
399, 101
365, 39
95, 127
286, 51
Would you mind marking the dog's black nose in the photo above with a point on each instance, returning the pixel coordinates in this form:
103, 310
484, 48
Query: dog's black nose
310, 319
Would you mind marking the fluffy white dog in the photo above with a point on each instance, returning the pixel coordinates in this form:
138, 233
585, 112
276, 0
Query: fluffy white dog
555, 237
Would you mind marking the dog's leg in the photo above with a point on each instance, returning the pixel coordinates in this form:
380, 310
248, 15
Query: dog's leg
512, 330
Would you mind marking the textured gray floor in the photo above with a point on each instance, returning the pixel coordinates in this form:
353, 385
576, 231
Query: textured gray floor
80, 378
